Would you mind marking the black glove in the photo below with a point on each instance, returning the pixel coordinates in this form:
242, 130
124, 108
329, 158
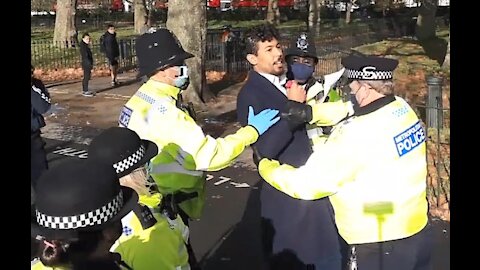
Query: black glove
169, 206
256, 156
296, 114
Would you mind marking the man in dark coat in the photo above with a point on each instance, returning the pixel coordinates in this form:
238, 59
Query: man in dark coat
87, 64
40, 99
296, 234
112, 51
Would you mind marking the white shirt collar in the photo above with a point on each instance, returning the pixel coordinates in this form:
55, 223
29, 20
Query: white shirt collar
278, 81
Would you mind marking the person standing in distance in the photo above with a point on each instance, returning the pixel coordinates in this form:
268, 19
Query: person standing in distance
112, 52
87, 64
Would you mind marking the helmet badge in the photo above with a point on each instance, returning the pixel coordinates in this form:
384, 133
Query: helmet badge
302, 42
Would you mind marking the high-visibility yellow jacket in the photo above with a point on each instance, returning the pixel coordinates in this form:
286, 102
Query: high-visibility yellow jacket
36, 264
184, 150
161, 246
327, 110
373, 167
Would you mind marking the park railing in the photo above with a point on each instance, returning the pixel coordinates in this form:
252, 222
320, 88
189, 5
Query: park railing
334, 42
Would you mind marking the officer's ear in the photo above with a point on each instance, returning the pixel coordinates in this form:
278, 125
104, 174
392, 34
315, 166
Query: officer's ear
252, 59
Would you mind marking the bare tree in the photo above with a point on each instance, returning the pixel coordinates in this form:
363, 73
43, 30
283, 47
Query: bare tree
425, 28
140, 15
348, 12
314, 8
446, 61
189, 23
384, 5
65, 32
273, 12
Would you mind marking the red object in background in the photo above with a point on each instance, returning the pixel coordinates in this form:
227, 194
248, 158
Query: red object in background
260, 3
241, 3
213, 3
286, 3
117, 5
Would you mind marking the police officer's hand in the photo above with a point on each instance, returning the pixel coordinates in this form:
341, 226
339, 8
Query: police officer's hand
296, 114
263, 120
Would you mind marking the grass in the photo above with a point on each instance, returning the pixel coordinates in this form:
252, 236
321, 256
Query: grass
46, 34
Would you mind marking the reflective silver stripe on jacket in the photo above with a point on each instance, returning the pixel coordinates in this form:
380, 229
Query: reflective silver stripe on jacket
173, 168
35, 261
185, 267
314, 132
145, 97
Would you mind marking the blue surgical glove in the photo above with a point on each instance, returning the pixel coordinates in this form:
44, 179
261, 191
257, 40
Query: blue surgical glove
263, 120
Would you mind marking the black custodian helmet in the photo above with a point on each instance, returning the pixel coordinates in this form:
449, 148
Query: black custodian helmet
158, 49
302, 46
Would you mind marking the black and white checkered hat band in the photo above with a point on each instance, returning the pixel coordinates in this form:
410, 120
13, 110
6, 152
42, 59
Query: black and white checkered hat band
369, 74
130, 161
96, 217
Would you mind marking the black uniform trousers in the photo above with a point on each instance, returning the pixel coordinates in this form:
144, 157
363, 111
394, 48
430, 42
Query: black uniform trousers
411, 253
38, 162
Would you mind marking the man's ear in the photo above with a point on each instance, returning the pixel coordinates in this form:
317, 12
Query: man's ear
252, 59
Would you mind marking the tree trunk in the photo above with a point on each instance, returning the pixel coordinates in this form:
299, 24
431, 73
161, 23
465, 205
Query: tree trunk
425, 28
188, 21
273, 13
139, 16
348, 12
65, 33
446, 61
149, 8
313, 15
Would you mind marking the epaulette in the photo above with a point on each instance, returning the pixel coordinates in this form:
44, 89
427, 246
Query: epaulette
144, 214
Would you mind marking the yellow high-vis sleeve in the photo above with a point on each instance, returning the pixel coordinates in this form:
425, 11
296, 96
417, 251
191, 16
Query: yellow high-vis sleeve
329, 113
196, 151
322, 175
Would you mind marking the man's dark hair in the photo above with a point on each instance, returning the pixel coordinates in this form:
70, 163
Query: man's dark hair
110, 26
86, 34
259, 33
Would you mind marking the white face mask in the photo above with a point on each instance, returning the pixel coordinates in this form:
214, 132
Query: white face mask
182, 80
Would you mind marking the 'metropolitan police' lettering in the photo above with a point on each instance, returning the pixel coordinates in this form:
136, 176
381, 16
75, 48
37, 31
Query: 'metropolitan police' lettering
409, 139
125, 116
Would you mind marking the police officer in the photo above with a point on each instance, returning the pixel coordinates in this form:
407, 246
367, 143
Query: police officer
379, 194
157, 113
75, 231
145, 229
301, 58
40, 104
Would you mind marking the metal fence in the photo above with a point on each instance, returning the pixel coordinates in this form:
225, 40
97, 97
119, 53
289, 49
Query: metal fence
229, 57
437, 123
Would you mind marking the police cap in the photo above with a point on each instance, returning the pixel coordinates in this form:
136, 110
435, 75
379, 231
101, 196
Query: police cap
362, 67
79, 195
157, 49
302, 46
